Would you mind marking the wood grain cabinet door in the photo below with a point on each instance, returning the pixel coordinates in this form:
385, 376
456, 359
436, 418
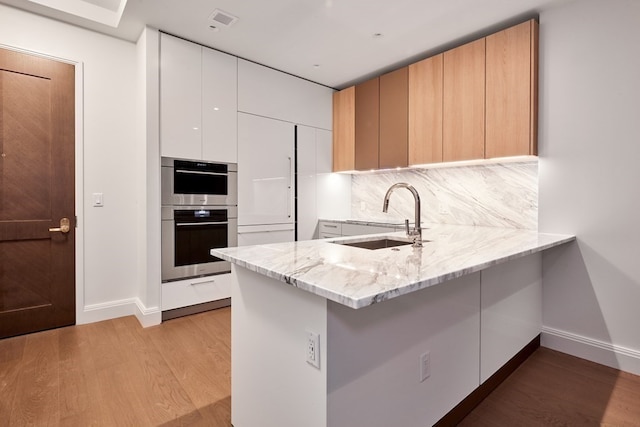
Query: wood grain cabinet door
367, 124
425, 111
344, 131
463, 115
394, 116
511, 91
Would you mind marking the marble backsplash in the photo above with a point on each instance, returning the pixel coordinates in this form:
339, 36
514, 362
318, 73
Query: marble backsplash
499, 195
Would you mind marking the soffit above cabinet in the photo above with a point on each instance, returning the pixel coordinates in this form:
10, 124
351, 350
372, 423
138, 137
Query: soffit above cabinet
338, 36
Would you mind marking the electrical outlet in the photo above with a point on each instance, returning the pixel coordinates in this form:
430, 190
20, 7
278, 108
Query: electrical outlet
425, 366
313, 349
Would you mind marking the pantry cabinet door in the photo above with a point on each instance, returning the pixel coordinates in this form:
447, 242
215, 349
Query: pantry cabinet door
180, 98
219, 106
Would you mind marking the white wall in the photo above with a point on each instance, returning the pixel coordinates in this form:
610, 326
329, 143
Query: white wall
108, 154
589, 171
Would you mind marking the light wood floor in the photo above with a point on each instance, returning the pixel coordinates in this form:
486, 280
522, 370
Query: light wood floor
115, 373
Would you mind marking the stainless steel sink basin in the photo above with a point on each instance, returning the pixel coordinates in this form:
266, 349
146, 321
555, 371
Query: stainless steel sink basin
380, 243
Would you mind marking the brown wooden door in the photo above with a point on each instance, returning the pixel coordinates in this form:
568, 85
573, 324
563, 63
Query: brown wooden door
37, 266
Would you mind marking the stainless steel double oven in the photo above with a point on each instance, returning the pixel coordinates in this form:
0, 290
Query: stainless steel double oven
199, 213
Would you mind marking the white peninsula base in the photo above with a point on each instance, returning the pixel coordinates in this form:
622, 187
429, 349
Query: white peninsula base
370, 358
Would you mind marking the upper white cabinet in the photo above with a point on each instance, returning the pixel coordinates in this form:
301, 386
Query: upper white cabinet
180, 98
198, 102
266, 92
219, 106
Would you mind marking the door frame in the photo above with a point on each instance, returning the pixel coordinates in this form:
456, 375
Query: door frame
81, 316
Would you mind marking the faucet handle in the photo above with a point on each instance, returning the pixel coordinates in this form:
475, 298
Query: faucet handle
406, 226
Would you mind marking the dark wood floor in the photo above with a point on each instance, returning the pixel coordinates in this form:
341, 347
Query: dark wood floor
115, 373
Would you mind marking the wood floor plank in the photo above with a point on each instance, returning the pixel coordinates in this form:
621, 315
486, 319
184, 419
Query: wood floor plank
158, 392
116, 373
12, 349
80, 391
36, 396
194, 361
552, 388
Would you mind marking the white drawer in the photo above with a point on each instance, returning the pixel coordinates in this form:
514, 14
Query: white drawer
184, 293
323, 235
334, 228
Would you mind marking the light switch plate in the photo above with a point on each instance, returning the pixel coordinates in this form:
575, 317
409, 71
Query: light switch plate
98, 200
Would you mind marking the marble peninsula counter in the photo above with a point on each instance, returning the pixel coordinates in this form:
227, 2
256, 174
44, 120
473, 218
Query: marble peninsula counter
402, 335
358, 277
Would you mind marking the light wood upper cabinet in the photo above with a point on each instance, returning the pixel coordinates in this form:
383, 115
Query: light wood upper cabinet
472, 102
394, 118
344, 129
367, 124
425, 111
463, 103
511, 90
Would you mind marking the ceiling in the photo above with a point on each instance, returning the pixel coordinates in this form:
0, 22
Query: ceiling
332, 42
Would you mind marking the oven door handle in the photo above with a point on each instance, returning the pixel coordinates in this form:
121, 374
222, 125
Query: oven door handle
200, 172
182, 224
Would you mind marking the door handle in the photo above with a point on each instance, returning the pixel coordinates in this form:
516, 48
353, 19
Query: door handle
64, 226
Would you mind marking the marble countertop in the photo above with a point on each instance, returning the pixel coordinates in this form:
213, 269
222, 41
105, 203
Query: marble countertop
358, 277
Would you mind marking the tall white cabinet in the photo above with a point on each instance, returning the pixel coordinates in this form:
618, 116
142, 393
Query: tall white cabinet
198, 102
265, 171
272, 108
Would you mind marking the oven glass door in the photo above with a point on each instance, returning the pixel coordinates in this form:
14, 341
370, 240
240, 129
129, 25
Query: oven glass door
200, 178
197, 232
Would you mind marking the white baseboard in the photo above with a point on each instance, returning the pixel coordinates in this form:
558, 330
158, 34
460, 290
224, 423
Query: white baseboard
120, 308
148, 316
604, 353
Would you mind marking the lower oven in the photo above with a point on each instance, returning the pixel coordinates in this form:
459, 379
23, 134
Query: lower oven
189, 233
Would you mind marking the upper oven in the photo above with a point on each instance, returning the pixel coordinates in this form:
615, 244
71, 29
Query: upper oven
193, 183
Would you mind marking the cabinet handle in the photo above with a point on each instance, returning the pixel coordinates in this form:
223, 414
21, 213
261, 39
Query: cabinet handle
206, 282
290, 187
330, 226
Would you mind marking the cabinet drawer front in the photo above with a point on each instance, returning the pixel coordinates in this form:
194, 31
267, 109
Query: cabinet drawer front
184, 293
323, 235
330, 228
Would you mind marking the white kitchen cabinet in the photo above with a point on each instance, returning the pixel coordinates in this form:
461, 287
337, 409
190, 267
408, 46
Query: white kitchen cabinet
511, 307
306, 200
271, 93
198, 102
183, 293
180, 98
263, 235
219, 106
265, 171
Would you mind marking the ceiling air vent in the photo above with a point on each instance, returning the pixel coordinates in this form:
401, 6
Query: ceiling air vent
220, 19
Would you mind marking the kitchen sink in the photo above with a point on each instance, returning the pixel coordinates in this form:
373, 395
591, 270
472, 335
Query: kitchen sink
379, 243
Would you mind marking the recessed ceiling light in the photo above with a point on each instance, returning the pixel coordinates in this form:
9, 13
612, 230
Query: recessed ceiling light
377, 35
316, 65
214, 28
